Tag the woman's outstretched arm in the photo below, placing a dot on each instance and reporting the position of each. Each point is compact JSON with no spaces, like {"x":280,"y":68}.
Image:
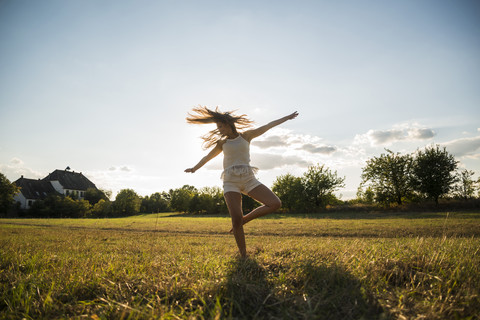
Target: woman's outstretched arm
{"x":212,"y":154}
{"x":250,"y":134}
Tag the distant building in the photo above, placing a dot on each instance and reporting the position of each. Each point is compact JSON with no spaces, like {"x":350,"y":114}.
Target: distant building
{"x":62,"y":182}
{"x":32,"y":190}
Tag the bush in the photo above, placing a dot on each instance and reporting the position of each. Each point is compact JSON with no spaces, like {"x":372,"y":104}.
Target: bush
{"x":127,"y":203}
{"x":57,"y":206}
{"x":102,"y":209}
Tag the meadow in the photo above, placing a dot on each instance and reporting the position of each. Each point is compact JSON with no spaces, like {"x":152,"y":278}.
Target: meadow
{"x":172,"y":266}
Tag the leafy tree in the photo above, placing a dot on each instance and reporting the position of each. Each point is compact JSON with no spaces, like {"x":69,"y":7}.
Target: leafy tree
{"x":102,"y":209}
{"x":57,"y":206}
{"x":200,"y":202}
{"x":366,"y":196}
{"x":319,"y":184}
{"x":389,"y":177}
{"x":7,"y":191}
{"x":94,"y":195}
{"x":434,"y":172}
{"x":180,"y":198}
{"x":290,"y":191}
{"x":216,"y":201}
{"x":478,"y":187}
{"x":157,"y":202}
{"x":208,"y":200}
{"x":127,"y":202}
{"x":466,"y":186}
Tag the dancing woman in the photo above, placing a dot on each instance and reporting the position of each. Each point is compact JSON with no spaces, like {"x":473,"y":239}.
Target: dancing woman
{"x":238,"y":176}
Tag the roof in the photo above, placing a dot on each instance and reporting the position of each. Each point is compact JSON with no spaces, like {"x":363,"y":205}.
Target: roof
{"x":70,"y":180}
{"x":34,"y":189}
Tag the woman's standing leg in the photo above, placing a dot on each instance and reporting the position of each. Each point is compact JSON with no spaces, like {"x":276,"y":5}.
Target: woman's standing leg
{"x":234,"y":204}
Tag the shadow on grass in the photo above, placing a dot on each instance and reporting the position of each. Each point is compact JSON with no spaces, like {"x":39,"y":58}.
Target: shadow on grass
{"x":297,"y":291}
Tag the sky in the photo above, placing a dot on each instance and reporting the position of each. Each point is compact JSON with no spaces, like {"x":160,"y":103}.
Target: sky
{"x":104,"y":86}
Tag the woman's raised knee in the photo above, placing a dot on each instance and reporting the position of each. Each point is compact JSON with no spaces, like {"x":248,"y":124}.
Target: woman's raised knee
{"x":275,"y":204}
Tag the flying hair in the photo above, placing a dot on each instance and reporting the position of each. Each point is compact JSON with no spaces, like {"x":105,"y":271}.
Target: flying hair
{"x":203,"y":115}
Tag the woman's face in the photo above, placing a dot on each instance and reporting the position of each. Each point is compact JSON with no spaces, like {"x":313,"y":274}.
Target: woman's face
{"x":224,"y":128}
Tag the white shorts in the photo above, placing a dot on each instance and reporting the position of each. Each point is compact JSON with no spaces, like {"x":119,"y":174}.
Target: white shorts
{"x":240,"y":183}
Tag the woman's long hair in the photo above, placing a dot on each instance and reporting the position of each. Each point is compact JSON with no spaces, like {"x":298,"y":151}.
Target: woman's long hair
{"x":201,"y":115}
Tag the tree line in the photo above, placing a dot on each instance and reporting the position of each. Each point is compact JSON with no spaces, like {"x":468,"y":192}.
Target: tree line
{"x":389,"y":179}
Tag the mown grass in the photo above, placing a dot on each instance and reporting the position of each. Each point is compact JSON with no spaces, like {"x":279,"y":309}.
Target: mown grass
{"x":397,"y":266}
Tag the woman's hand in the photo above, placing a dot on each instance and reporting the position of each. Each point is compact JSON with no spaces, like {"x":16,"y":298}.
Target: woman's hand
{"x":292,"y":116}
{"x":190,"y":170}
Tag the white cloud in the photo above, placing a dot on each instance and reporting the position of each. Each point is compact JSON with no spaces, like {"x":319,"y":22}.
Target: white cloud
{"x":402,"y":132}
{"x":420,"y":133}
{"x":463,"y":146}
{"x":473,"y":156}
{"x":285,"y":138}
{"x":271,"y":141}
{"x":122,"y":168}
{"x":267,"y":161}
{"x":16,"y":162}
{"x":17,"y":168}
{"x":317,"y":149}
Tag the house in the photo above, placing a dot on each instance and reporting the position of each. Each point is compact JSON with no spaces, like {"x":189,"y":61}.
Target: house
{"x":70,"y":183}
{"x":63,"y":182}
{"x":32,"y":190}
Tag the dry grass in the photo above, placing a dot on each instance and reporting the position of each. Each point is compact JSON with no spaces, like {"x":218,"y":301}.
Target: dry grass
{"x":372,"y":267}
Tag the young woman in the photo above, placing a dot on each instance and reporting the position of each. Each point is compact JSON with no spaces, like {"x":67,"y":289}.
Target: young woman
{"x":238,"y":176}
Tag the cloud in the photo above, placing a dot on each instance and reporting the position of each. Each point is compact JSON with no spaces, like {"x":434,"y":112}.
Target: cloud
{"x":285,"y":138}
{"x":463,"y":146}
{"x":473,"y":156}
{"x":403,"y":132}
{"x":17,"y":168}
{"x":16,"y":162}
{"x":420,"y":134}
{"x":317,"y":149}
{"x":267,"y":161}
{"x":271,"y":141}
{"x":123,"y":168}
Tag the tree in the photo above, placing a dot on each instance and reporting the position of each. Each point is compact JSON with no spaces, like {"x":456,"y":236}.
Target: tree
{"x":290,"y":191}
{"x":216,"y":201}
{"x":465,"y":187}
{"x":389,"y":177}
{"x":94,"y":195}
{"x":319,"y":184}
{"x":102,"y":208}
{"x":478,"y":187}
{"x":366,"y":196}
{"x":180,"y":198}
{"x":127,"y":202}
{"x":434,"y":172}
{"x":157,"y":202}
{"x":7,"y":191}
{"x":58,"y":206}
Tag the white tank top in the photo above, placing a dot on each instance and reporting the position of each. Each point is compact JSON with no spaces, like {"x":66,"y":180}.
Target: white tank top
{"x":236,"y":157}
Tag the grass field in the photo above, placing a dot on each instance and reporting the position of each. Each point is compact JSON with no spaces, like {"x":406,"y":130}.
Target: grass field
{"x":342,"y":266}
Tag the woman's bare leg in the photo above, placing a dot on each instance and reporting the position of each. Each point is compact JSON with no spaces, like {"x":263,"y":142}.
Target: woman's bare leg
{"x":269,"y":199}
{"x":234,"y":204}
